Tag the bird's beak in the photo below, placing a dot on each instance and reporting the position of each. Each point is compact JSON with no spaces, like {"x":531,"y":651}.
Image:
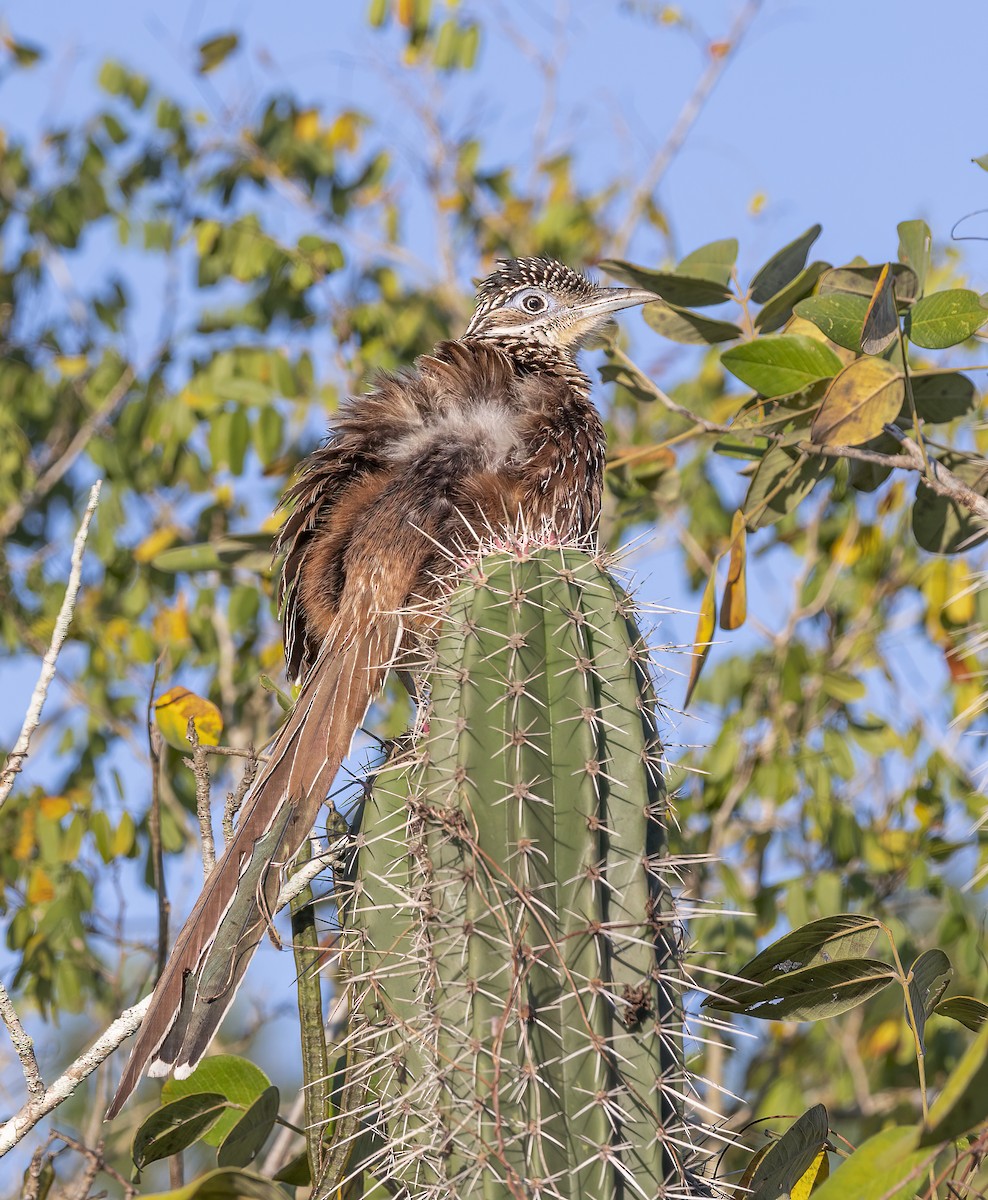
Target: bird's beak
{"x":612,"y":299}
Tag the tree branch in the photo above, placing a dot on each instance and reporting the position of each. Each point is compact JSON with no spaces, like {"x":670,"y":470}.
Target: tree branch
{"x":22,"y":1043}
{"x":32,"y":719}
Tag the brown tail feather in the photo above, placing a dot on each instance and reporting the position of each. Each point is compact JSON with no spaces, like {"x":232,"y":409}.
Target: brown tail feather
{"x":223,"y":930}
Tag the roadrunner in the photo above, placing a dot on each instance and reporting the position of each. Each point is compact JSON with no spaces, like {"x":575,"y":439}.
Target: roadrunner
{"x":489,"y":433}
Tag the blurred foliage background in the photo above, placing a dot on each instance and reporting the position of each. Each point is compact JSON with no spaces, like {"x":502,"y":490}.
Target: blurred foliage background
{"x":186,"y":290}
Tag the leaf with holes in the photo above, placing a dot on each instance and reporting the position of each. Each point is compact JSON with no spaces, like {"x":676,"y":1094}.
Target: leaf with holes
{"x":828,"y":939}
{"x":779,"y":366}
{"x":839,"y":315}
{"x":864,"y":397}
{"x":945,"y":318}
{"x":807,"y":994}
{"x":783,"y":267}
{"x":929,"y":976}
{"x":968,"y":1010}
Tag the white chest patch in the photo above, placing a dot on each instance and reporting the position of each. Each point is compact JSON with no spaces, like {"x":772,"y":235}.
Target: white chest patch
{"x":487,"y":429}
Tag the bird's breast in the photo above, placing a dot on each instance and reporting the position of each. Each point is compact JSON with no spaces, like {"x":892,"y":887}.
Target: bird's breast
{"x":483,"y":437}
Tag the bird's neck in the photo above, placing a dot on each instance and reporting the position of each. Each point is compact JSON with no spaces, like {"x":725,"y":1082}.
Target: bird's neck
{"x":532,"y":358}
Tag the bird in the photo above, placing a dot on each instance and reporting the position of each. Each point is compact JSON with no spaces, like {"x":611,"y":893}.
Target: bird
{"x":493,"y":431}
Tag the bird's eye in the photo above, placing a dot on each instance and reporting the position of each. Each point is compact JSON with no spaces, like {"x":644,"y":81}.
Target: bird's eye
{"x":534,"y":303}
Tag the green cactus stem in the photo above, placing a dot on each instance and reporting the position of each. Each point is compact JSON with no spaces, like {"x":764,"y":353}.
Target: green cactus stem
{"x":516,"y":1027}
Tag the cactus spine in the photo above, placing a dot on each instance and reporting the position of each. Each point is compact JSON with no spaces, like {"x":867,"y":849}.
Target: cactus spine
{"x":515,"y":1028}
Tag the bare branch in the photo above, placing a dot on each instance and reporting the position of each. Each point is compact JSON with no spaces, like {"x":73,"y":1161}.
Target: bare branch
{"x":200,"y":769}
{"x":938,"y":478}
{"x":23,"y":1044}
{"x":15,"y":760}
{"x":235,"y":799}
{"x":716,"y":64}
{"x":23,"y":1122}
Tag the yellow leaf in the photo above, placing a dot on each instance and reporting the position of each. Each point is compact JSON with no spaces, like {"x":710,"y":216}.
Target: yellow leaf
{"x":756,"y":204}
{"x":307,"y":125}
{"x":170,"y":626}
{"x":175,"y":708}
{"x":883,"y":1039}
{"x":734,"y":605}
{"x":154,"y":543}
{"x":812,"y":1177}
{"x":55,"y":807}
{"x":863,"y":398}
{"x":40,"y":888}
{"x":70,"y":366}
{"x":23,"y":848}
{"x":704,"y":631}
{"x":344,"y":133}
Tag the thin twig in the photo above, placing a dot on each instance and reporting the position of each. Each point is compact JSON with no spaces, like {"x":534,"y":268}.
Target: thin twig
{"x":155,"y":747}
{"x":235,"y":799}
{"x":200,"y":768}
{"x":940,"y":479}
{"x":32,"y":719}
{"x":705,"y":85}
{"x":22,"y":1043}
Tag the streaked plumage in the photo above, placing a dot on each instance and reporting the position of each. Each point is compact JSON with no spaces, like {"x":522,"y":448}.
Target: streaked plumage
{"x":493,"y":432}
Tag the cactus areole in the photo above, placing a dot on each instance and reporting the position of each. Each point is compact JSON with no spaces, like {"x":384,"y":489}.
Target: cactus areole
{"x":515,"y":1022}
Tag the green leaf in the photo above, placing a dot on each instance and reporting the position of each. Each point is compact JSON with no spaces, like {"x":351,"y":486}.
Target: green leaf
{"x":807,"y":993}
{"x":215,"y":51}
{"x":967,"y":1009}
{"x":24,"y":54}
{"x":860,"y":281}
{"x":690,"y":328}
{"x":888,"y":1166}
{"x":177,"y":1125}
{"x":778,"y":309}
{"x":783,"y":267}
{"x":860,"y":402}
{"x":963,"y":1102}
{"x":778,"y":366}
{"x":942,"y":396}
{"x":714,"y":261}
{"x":296,"y":1172}
{"x":790,"y":1157}
{"x":224,"y":1184}
{"x":941,"y":525}
{"x":244,"y":1141}
{"x":929,"y":976}
{"x":234,"y":1078}
{"x":945,"y":319}
{"x":672,"y":287}
{"x":783,"y":479}
{"x":839,"y":315}
{"x":915,"y":242}
{"x":844,"y":937}
{"x":249,"y":551}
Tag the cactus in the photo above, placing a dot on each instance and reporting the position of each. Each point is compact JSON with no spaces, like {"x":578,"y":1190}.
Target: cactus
{"x":515,"y":1025}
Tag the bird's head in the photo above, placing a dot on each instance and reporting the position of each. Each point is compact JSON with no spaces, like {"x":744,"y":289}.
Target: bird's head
{"x":538,"y":302}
